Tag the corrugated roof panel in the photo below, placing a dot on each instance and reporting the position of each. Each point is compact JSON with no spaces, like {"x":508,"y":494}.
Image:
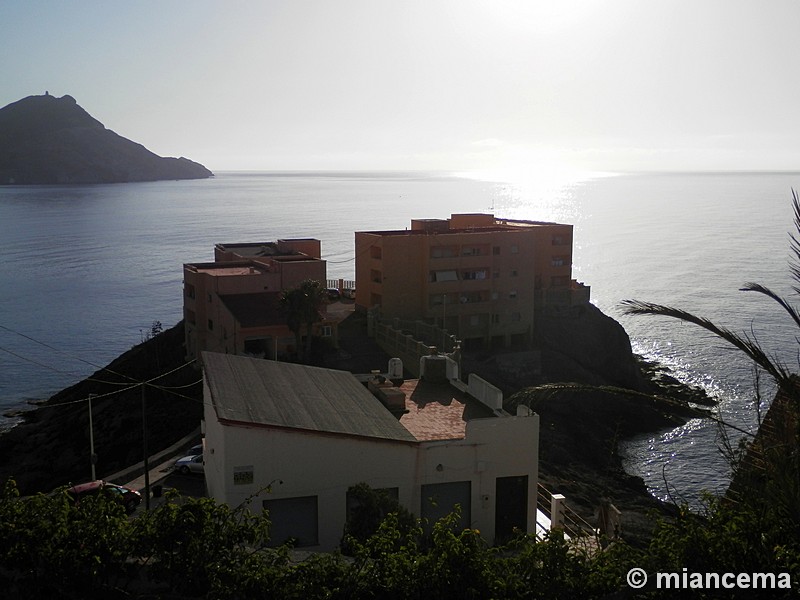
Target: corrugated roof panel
{"x":296,"y":396}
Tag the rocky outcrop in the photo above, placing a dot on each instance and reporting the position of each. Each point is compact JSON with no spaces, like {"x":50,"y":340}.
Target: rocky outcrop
{"x":580,"y":354}
{"x":49,"y":140}
{"x":51,"y":446}
{"x":586,"y":345}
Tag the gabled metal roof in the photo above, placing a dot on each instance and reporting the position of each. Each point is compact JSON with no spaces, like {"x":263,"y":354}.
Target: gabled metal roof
{"x":264,"y":392}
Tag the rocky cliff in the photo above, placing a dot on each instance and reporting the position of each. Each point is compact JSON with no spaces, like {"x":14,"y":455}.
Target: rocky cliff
{"x":49,"y":140}
{"x":51,"y":446}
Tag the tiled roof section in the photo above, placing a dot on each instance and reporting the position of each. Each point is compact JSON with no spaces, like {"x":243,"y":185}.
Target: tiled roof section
{"x":438,"y":411}
{"x":265,"y":392}
{"x":255,"y":310}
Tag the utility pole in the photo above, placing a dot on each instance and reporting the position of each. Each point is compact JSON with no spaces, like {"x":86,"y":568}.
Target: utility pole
{"x":144,"y":447}
{"x":444,"y":323}
{"x":92,"y":455}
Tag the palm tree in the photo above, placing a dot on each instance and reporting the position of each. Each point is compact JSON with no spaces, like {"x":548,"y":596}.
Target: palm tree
{"x":770,"y":467}
{"x":303,"y":305}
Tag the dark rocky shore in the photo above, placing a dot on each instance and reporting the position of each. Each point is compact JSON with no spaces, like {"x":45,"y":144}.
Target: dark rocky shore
{"x":581,"y":430}
{"x":51,"y":446}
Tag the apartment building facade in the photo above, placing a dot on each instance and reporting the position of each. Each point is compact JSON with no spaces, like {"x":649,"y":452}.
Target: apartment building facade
{"x":232,"y":305}
{"x":476,"y":275}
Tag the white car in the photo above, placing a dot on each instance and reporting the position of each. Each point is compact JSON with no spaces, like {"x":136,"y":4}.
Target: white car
{"x":190,"y":464}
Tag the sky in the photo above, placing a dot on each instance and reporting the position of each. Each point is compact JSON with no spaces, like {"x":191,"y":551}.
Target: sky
{"x":451,"y":85}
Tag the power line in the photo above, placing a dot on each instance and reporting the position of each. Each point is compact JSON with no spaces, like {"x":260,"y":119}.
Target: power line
{"x":134,"y":382}
{"x":63,"y":353}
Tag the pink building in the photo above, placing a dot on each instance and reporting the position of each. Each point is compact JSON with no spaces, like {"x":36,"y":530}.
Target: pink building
{"x":232,"y":305}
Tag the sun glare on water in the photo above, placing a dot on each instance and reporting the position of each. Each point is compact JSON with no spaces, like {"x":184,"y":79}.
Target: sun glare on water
{"x":538,"y":191}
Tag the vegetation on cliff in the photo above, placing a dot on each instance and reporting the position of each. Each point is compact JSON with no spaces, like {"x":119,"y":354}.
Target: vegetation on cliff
{"x":49,"y":140}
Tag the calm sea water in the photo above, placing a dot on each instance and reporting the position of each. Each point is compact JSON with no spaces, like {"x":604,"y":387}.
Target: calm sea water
{"x":85,"y":270}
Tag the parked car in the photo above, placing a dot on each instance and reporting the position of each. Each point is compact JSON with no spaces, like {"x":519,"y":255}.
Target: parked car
{"x":333,"y":294}
{"x":349,"y":293}
{"x":190,"y":464}
{"x":195,"y":450}
{"x":127,"y":497}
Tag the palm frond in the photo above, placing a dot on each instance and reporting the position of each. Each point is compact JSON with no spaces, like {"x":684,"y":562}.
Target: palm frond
{"x":749,"y":346}
{"x":794,"y":242}
{"x":549,"y":391}
{"x":757,"y":287}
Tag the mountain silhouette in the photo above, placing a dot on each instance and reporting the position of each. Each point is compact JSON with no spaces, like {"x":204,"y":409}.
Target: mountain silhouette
{"x":49,"y":140}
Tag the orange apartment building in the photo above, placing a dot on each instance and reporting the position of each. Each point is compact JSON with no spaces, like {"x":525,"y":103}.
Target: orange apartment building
{"x":232,"y":305}
{"x":475,"y":275}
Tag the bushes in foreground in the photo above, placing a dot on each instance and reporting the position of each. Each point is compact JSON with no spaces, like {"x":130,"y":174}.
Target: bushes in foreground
{"x":196,"y":548}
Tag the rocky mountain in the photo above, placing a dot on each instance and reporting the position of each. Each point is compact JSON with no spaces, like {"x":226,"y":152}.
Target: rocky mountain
{"x":49,"y":140}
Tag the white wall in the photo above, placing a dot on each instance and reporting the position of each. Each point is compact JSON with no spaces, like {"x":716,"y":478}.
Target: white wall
{"x":324,"y":465}
{"x":307,"y":464}
{"x":493,"y":447}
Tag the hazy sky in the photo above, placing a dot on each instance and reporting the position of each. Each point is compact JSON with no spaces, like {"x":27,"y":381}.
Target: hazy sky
{"x":453,"y":85}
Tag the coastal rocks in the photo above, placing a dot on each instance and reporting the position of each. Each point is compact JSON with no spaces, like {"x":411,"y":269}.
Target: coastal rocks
{"x":49,"y":140}
{"x":584,"y":344}
{"x":51,"y":446}
{"x":574,"y":380}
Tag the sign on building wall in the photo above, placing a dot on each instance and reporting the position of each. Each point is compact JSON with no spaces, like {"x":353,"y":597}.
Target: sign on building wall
{"x":243,"y":475}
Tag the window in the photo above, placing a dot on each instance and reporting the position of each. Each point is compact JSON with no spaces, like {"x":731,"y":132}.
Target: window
{"x":558,"y":261}
{"x":514,"y":249}
{"x":210,"y":325}
{"x":512,"y":294}
{"x":437,"y":299}
{"x":209,"y":297}
{"x":472,"y":275}
{"x":293,"y":519}
{"x":514,"y":273}
{"x":375,"y":252}
{"x":475,"y":320}
{"x":438,"y":276}
{"x":470,"y":251}
{"x":515,"y":316}
{"x":470,"y":297}
{"x":190,"y":291}
{"x":376,"y":276}
{"x":496,"y":274}
{"x":258,"y":346}
{"x":495,"y":295}
{"x":191,"y":317}
{"x":443,"y":252}
{"x":327,"y":331}
{"x":495,"y":318}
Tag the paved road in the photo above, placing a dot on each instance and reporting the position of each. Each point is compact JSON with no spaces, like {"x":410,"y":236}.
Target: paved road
{"x":191,"y":485}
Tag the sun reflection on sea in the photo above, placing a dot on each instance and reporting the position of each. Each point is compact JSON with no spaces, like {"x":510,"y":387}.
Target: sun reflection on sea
{"x":541,"y":192}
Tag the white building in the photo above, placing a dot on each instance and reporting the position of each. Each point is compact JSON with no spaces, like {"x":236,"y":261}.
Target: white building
{"x":309,"y":434}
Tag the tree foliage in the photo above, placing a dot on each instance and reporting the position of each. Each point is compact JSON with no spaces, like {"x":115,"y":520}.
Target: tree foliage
{"x":196,"y":548}
{"x":302,"y":305}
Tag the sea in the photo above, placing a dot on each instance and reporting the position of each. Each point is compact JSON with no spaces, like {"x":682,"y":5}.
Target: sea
{"x":86,"y":270}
